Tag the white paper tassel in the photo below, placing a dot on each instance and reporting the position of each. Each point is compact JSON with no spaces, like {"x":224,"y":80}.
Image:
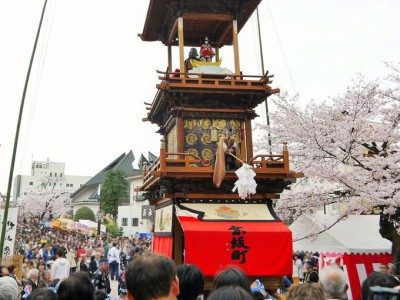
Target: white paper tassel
{"x":246,"y":185}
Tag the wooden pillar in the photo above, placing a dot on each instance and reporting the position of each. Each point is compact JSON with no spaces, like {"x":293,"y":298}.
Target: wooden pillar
{"x":163,"y":155}
{"x":181,"y":46}
{"x":249,"y":139}
{"x":169,"y":58}
{"x":179,"y":133}
{"x":243,"y":148}
{"x":216,"y":53}
{"x":236,"y":47}
{"x":286,"y":158}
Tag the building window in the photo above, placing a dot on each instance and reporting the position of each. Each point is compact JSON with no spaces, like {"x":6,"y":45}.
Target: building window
{"x":51,"y":174}
{"x":60,"y":184}
{"x":30,"y":182}
{"x":135,"y":222}
{"x":124,"y":221}
{"x":67,"y":185}
{"x":71,"y":185}
{"x":55,"y":174}
{"x":60,"y":174}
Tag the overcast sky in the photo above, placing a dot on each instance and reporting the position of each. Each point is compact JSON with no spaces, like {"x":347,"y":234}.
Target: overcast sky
{"x":92,"y":73}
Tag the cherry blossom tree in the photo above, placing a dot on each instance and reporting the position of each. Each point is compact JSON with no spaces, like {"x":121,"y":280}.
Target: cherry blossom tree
{"x":348,"y":148}
{"x":45,"y":204}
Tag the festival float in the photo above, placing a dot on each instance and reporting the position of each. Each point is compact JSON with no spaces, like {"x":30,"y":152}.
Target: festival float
{"x":213,"y":197}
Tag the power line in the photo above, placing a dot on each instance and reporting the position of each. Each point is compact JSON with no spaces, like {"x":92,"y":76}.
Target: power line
{"x":281,"y":48}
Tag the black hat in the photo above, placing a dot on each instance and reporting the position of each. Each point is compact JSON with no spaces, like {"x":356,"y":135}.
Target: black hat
{"x":310,"y":263}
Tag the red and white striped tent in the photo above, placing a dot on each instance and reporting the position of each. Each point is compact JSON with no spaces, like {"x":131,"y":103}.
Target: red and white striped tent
{"x":354,"y":243}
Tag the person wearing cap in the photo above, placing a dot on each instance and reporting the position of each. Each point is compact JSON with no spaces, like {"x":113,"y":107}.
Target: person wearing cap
{"x":311,"y":275}
{"x":193,"y":55}
{"x":100,"y":278}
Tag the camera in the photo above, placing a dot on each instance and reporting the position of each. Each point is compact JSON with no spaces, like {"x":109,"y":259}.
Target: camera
{"x":383,"y":293}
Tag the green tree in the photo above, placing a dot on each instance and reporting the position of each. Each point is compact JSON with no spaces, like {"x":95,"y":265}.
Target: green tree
{"x":114,"y":230}
{"x":115,"y":188}
{"x":84,"y":213}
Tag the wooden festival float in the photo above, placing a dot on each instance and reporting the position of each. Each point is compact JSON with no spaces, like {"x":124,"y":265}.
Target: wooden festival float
{"x":199,"y":112}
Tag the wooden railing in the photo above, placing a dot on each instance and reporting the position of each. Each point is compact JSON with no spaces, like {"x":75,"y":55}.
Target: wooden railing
{"x":188,"y":164}
{"x":215,"y":81}
{"x":270,"y":161}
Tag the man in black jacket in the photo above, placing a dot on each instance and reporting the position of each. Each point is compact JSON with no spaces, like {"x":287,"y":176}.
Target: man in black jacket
{"x":311,"y":275}
{"x":100,"y":278}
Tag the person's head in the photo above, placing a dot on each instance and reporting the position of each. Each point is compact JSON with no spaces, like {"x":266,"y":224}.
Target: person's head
{"x":230,"y":292}
{"x":333,"y":281}
{"x":4,"y":271}
{"x":232,"y":276}
{"x":8,"y":288}
{"x":305,"y":291}
{"x":377,"y":279}
{"x":42,"y":294}
{"x":12,"y":269}
{"x":59,"y":253}
{"x":97,"y":256}
{"x":103,"y":265}
{"x":77,"y":286}
{"x":391,"y":269}
{"x":152,"y":276}
{"x":33,"y":274}
{"x":193,"y":53}
{"x":191,"y":282}
{"x":41,"y":265}
{"x":308,"y":265}
{"x":384,"y":268}
{"x":47,"y":276}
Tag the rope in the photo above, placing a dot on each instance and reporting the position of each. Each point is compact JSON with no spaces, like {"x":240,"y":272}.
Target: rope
{"x":234,"y":156}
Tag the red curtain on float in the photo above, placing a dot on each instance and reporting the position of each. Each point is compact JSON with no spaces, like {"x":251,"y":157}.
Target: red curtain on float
{"x":258,"y":248}
{"x":163,"y":245}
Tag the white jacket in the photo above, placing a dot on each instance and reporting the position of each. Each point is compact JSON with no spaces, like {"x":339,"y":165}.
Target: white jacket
{"x":60,"y":269}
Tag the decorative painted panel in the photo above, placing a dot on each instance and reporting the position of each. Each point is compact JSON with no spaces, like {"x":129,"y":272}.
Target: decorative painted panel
{"x":202,"y":135}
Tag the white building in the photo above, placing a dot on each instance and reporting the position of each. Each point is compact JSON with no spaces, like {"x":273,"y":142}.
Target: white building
{"x":129,"y":210}
{"x":87,"y":195}
{"x":46,"y":175}
{"x":130,"y":214}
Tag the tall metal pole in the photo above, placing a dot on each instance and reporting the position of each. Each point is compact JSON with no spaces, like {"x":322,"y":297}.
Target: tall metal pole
{"x":21,"y":109}
{"x":263,"y":72}
{"x":99,"y":213}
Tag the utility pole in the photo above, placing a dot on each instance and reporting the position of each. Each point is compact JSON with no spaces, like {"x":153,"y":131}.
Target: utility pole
{"x":263,"y":73}
{"x":99,"y":213}
{"x":21,"y":109}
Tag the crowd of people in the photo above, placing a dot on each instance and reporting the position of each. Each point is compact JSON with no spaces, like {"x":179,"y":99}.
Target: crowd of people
{"x":64,"y":266}
{"x":54,"y":258}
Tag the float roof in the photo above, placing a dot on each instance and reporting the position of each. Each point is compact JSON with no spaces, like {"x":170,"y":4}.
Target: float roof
{"x":206,"y":18}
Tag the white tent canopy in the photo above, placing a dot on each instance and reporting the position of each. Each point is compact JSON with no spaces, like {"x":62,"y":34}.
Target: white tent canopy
{"x":355,"y":234}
